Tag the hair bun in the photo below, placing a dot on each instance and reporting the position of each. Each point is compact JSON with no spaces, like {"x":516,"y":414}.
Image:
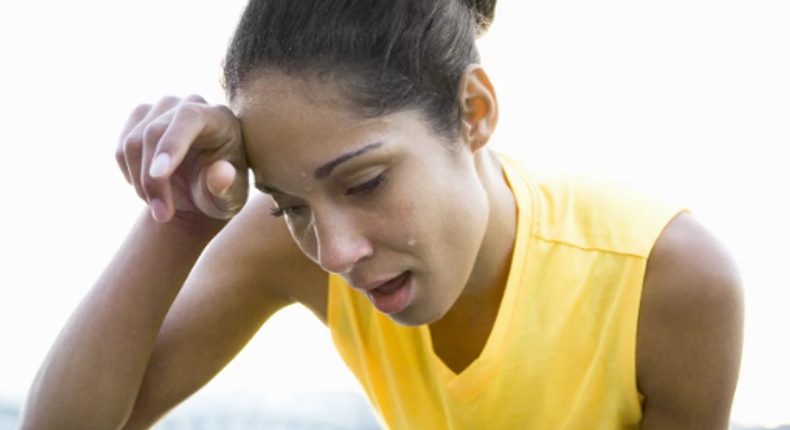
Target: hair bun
{"x":484,"y":13}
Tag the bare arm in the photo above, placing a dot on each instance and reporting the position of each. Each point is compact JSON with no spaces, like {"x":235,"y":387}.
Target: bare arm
{"x":242,"y":278}
{"x":690,"y":330}
{"x":111,"y":361}
{"x":102,"y":352}
{"x":248,"y":273}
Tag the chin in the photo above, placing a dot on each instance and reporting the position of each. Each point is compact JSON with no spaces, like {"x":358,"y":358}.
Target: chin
{"x":409,"y":321}
{"x":413,"y":316}
{"x":424,"y":308}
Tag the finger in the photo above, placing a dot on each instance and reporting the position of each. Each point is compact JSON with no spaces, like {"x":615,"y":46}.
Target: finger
{"x":226,"y":190}
{"x":133,"y":154}
{"x":195,"y":99}
{"x":158,"y":192}
{"x":155,"y":170}
{"x":162,"y":205}
{"x":186,"y":126}
{"x":120,"y":158}
{"x":133,"y":141}
{"x":195,"y":125}
{"x":137,"y":115}
{"x":219,"y":178}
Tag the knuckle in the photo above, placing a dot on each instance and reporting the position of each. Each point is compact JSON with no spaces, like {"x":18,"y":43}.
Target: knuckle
{"x":153,"y":130}
{"x":132,"y":143}
{"x":190,"y":109}
{"x":169,"y":101}
{"x":148,"y":185}
{"x":195,"y":98}
{"x":140,"y":193}
{"x":120,"y":157}
{"x":141,"y":110}
{"x":222,"y":109}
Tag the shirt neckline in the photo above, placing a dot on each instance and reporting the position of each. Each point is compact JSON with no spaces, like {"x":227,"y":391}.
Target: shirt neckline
{"x":472,"y":379}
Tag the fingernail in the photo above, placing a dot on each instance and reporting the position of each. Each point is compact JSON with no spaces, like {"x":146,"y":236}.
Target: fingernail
{"x":223,"y":193}
{"x":160,"y":165}
{"x":158,"y":209}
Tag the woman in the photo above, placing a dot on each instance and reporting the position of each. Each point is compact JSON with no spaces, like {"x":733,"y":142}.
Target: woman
{"x":462,"y":290}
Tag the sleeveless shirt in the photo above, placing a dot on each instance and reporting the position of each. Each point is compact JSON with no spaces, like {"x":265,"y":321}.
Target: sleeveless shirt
{"x":562,"y":351}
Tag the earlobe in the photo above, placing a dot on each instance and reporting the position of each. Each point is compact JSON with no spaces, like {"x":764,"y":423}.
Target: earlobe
{"x":479,"y":106}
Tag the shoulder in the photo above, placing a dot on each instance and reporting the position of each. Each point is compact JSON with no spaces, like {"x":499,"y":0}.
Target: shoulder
{"x":690,"y":329}
{"x":595,"y":212}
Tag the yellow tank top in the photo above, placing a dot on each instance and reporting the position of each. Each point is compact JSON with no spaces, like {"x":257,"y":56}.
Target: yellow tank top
{"x":561,"y":354}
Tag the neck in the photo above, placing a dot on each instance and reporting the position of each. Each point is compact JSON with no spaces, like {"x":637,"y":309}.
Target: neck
{"x":486,"y":285}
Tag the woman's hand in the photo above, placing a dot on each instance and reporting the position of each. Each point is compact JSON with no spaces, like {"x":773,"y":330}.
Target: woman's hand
{"x":185,"y":157}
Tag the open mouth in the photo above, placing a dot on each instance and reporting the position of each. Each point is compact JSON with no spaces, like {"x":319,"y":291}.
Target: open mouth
{"x":394,"y":295}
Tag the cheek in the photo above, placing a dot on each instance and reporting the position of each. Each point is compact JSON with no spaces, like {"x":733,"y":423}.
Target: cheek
{"x":414,"y":219}
{"x":461,"y":217}
{"x":403,"y":223}
{"x":306,"y":240}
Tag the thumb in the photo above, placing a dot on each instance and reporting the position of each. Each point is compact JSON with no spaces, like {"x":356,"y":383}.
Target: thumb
{"x":220,"y":178}
{"x":227,"y":190}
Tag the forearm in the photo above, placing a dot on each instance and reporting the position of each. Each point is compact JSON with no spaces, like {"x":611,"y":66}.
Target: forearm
{"x":93,"y":372}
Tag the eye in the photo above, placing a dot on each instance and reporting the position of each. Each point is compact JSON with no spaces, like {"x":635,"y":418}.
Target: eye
{"x":278,"y":212}
{"x":367,"y":187}
{"x":359,"y":190}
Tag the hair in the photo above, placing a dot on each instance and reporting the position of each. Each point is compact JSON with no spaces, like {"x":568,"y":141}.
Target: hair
{"x":384,"y":55}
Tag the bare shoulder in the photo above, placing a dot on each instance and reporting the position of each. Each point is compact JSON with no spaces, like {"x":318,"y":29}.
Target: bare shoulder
{"x":263,"y":248}
{"x":690,"y":331}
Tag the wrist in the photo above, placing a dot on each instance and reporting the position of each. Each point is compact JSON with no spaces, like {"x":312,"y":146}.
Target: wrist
{"x":186,"y":226}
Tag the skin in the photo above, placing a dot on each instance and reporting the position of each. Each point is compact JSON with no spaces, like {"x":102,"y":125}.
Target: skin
{"x":691,"y":319}
{"x":397,"y":204}
{"x":690,"y":332}
{"x":691,"y":316}
{"x":182,"y":325}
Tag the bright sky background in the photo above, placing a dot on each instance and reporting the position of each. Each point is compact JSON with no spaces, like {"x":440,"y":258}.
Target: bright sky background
{"x":686,"y":99}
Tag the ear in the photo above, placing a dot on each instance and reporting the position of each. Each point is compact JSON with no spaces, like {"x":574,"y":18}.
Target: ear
{"x":480,"y":110}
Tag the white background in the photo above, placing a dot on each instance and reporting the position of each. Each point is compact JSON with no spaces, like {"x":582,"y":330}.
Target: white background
{"x":686,"y":99}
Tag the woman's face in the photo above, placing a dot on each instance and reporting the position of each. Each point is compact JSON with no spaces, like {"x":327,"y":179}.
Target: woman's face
{"x":381,"y":201}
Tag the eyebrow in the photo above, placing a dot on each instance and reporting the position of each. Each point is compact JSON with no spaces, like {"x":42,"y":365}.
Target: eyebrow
{"x":325,"y":170}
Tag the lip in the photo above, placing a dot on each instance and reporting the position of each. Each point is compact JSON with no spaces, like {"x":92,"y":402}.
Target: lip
{"x":394,"y":295}
{"x":374,"y":285}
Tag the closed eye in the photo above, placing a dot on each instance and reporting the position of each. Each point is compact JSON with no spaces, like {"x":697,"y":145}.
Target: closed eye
{"x":367,"y":187}
{"x":360,"y":190}
{"x":278,"y":212}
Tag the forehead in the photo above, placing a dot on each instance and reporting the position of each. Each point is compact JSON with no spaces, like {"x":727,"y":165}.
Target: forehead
{"x":297,"y":123}
{"x":278,"y":101}
{"x":275,"y":107}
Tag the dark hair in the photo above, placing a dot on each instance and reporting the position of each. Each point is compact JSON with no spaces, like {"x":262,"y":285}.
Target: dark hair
{"x":385,"y":55}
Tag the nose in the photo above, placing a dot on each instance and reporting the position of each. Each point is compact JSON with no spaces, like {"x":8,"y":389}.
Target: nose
{"x":340,"y":242}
